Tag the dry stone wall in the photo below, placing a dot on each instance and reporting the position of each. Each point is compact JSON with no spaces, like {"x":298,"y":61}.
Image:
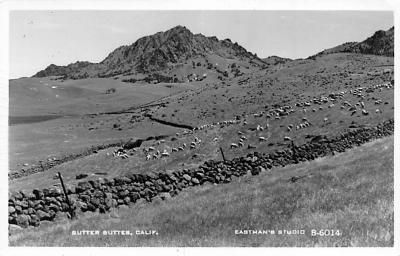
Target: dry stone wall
{"x":29,"y":209}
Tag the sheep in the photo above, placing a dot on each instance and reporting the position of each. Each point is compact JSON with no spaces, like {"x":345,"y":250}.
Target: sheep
{"x":262,"y":138}
{"x":260,"y":128}
{"x":215,"y":139}
{"x":287,"y":138}
{"x":313,"y":110}
{"x":148,"y":157}
{"x":164,"y":154}
{"x":184,"y":145}
{"x":378,"y":110}
{"x":320,"y":108}
{"x":240,"y":144}
{"x":234,"y":145}
{"x":151,"y":148}
{"x":155,"y":156}
{"x":364,"y":112}
{"x":325,"y":119}
{"x":180,"y":148}
{"x":174,"y":149}
{"x":243,"y":137}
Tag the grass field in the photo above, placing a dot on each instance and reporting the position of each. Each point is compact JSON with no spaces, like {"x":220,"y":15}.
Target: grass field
{"x":351,"y":192}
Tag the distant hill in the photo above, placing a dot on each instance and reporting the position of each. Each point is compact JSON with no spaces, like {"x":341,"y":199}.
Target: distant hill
{"x":380,"y":43}
{"x":162,"y":51}
{"x":273,"y":60}
{"x":54,"y":70}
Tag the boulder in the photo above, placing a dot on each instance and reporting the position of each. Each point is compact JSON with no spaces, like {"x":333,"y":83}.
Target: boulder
{"x":108,"y":203}
{"x":81,"y":176}
{"x":165,"y":196}
{"x":34,"y":221}
{"x":127,"y":200}
{"x":84,"y":198}
{"x":18,"y":209}
{"x":91,"y":207}
{"x":83,"y":186}
{"x":122,"y":180}
{"x":95,"y":202}
{"x":187,"y":177}
{"x":123,"y":193}
{"x":95,"y":183}
{"x":16,"y":196}
{"x":42,"y":215}
{"x":23,"y":204}
{"x":22,"y":220}
{"x":38,"y":193}
{"x":82,"y":206}
{"x":148,"y":184}
{"x":134,"y":196}
{"x":13,"y":227}
{"x":11,"y":209}
{"x":195,"y":181}
{"x":31,"y":211}
{"x":54,"y":192}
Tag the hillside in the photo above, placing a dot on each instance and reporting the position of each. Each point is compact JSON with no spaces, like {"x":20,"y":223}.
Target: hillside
{"x":177,"y":48}
{"x":380,"y":43}
{"x":350,"y":192}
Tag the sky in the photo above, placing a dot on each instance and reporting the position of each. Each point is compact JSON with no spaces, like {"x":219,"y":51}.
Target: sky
{"x":40,"y":38}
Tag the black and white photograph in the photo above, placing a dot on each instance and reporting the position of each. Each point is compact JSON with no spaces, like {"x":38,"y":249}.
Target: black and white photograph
{"x":200,"y":128}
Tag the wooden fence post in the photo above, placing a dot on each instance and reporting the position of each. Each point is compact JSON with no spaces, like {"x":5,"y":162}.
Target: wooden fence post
{"x":222,"y":153}
{"x":71,"y":211}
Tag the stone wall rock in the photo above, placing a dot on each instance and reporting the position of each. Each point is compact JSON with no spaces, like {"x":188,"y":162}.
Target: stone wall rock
{"x":104,"y":194}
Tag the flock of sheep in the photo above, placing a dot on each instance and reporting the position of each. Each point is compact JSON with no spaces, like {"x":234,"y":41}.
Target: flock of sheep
{"x":263,"y":131}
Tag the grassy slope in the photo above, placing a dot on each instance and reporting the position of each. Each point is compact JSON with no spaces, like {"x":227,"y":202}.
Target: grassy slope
{"x":36,"y":96}
{"x":38,"y":141}
{"x":352,"y":192}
